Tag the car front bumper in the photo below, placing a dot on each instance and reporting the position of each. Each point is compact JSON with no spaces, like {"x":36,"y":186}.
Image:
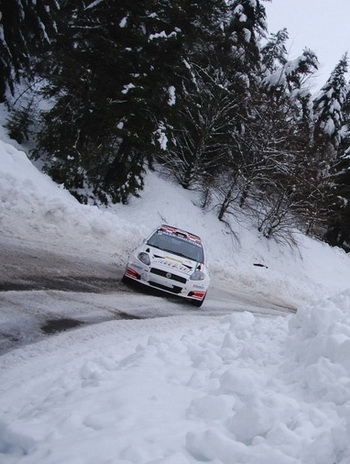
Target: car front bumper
{"x":166,"y":280}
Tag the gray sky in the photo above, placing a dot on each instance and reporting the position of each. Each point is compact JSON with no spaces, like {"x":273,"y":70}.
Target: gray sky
{"x":322,"y":25}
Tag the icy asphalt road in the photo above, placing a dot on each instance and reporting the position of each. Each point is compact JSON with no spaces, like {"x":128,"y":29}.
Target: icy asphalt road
{"x":44,"y":291}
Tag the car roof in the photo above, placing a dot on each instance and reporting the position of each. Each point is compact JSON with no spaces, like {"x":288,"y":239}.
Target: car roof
{"x":180,"y":232}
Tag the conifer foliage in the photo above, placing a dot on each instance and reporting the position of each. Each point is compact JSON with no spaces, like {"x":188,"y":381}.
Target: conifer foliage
{"x":328,"y":107}
{"x":333,"y":126}
{"x":25,"y":27}
{"x":119,"y":72}
{"x":196,"y":88}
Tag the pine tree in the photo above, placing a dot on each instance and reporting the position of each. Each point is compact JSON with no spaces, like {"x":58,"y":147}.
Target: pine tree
{"x":246,"y":27}
{"x":107,"y":92}
{"x":338,"y":214}
{"x":274,"y":52}
{"x":338,"y":206}
{"x":329,"y":118}
{"x":25,"y":27}
{"x":282,"y":75}
{"x":330,"y":148}
{"x":119,"y":74}
{"x":240,"y":62}
{"x":214,"y":104}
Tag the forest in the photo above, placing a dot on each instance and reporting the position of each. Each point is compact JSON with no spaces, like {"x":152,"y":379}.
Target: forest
{"x":101,"y":91}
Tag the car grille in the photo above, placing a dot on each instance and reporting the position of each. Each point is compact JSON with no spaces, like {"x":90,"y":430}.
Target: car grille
{"x":159,"y":272}
{"x":173,"y":289}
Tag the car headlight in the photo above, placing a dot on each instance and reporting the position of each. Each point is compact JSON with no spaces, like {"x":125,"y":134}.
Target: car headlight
{"x":197,"y":275}
{"x":144,"y":258}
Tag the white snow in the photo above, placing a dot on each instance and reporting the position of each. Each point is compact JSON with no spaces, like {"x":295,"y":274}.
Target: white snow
{"x":163,"y":35}
{"x":123,"y":22}
{"x":160,"y":134}
{"x":93,"y":4}
{"x":172,"y":95}
{"x":328,"y":126}
{"x":127,"y":88}
{"x":280,"y":76}
{"x":184,"y":389}
{"x":247,"y":35}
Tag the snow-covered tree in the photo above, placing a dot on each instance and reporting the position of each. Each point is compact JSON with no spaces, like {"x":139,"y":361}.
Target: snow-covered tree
{"x":207,"y":116}
{"x":329,"y":118}
{"x":274,"y":52}
{"x":331,"y":135}
{"x":288,"y":76}
{"x":268,"y":170}
{"x":25,"y":27}
{"x":338,"y":212}
{"x":119,"y":72}
{"x":246,"y":26}
{"x":269,"y":173}
{"x":338,"y":194}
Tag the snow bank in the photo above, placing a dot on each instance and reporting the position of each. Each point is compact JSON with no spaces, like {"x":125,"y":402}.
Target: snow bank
{"x":36,"y":210}
{"x":246,"y":389}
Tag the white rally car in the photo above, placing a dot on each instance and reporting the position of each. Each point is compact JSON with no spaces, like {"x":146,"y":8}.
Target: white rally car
{"x":173,"y":261}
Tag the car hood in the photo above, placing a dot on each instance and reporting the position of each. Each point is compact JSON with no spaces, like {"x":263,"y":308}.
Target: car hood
{"x":170,"y":261}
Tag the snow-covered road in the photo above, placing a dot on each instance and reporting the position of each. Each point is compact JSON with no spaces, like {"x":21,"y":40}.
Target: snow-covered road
{"x":24,"y":266}
{"x":45,"y":291}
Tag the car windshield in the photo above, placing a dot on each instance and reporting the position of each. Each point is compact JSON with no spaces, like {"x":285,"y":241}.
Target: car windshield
{"x":177,"y":245}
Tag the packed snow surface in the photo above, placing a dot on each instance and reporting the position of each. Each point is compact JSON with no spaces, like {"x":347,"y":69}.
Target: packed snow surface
{"x":238,"y":389}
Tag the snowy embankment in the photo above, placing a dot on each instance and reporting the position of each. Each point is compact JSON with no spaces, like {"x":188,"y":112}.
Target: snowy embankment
{"x":238,"y":389}
{"x":35,"y":211}
{"x":242,"y":390}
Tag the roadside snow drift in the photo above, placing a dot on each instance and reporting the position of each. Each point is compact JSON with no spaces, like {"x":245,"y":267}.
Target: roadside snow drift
{"x":243,"y":389}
